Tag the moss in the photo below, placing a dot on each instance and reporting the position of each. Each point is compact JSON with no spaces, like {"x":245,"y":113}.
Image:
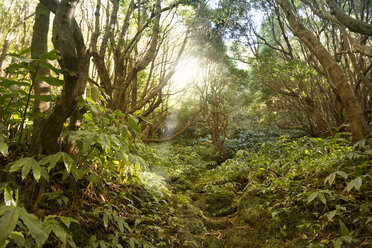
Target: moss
{"x":211,"y":241}
{"x":273,"y":243}
{"x":297,"y":243}
{"x":241,"y":237}
{"x":195,"y":225}
{"x":216,"y":204}
{"x":250,"y":199}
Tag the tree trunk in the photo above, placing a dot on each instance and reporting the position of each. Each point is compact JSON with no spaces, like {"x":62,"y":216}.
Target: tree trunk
{"x":354,"y":111}
{"x":69,"y":42}
{"x":39,"y":45}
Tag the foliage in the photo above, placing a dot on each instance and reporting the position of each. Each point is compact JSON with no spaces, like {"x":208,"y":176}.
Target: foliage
{"x":310,"y":188}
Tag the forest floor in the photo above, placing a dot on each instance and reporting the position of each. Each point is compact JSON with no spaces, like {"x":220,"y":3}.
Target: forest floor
{"x":210,"y":218}
{"x":211,"y":213}
{"x":284,"y":195}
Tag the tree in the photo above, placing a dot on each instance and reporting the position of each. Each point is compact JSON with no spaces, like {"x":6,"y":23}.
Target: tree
{"x":74,"y":61}
{"x":358,"y":124}
{"x":39,"y":46}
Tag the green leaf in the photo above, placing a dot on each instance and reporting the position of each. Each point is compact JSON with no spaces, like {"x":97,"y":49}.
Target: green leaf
{"x":67,"y":220}
{"x":18,"y":239}
{"x":344,"y":230}
{"x":51,"y":55}
{"x":342,"y":174}
{"x":26,"y":169}
{"x":356,"y":183}
{"x":10,"y":82}
{"x":8,"y":197}
{"x":52,"y":160}
{"x":68,"y":161}
{"x":45,"y":98}
{"x":338,"y":243}
{"x":322,"y":198}
{"x":25,"y":51}
{"x":50,"y":80}
{"x":20,"y":163}
{"x":102,"y":244}
{"x":330,"y":179}
{"x":50,"y":66}
{"x":133,"y":123}
{"x":105,"y":220}
{"x":369,"y":219}
{"x":60,"y":232}
{"x":7,"y":223}
{"x":4,"y":148}
{"x":36,"y":170}
{"x":44,"y":173}
{"x":312,"y":197}
{"x":331,"y":215}
{"x":34,"y":226}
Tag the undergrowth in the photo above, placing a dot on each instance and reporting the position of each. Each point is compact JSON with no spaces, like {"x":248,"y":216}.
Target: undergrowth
{"x":317,"y":191}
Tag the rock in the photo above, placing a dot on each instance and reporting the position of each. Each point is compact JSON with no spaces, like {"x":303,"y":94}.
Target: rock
{"x":241,"y":237}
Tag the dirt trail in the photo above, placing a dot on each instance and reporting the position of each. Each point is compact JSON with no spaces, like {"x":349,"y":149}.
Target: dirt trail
{"x":211,"y":219}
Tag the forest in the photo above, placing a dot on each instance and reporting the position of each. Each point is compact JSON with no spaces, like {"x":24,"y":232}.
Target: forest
{"x":186,"y":123}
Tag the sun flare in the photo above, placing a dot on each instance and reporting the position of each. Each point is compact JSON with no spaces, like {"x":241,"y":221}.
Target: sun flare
{"x":187,"y":72}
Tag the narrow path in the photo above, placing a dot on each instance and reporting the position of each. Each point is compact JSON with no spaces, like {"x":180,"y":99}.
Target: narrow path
{"x":211,"y":219}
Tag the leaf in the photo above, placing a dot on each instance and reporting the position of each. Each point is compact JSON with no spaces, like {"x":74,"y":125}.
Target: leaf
{"x":331,"y":215}
{"x":34,"y":226}
{"x":36,"y":170}
{"x":67,"y":160}
{"x":369,"y":219}
{"x":105,"y":220}
{"x":338,"y":243}
{"x":44,"y":173}
{"x":356,"y":183}
{"x":127,"y":226}
{"x":45,"y":98}
{"x":133,"y":123}
{"x":4,"y":148}
{"x":18,"y":238}
{"x":344,"y":230}
{"x":312,"y":197}
{"x":342,"y":174}
{"x":7,"y":223}
{"x":10,"y":82}
{"x":102,"y":244}
{"x":51,"y":55}
{"x":322,"y":198}
{"x":50,"y":66}
{"x":67,"y":220}
{"x":20,"y":163}
{"x":60,"y":232}
{"x":50,"y":80}
{"x":8,"y":197}
{"x":52,"y":160}
{"x":26,"y":169}
{"x":330,"y":179}
{"x":25,"y":51}
{"x":120,"y":221}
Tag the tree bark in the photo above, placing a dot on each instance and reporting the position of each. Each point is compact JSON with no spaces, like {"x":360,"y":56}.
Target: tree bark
{"x":354,"y":25}
{"x":39,"y":45}
{"x":68,"y":40}
{"x":354,"y":111}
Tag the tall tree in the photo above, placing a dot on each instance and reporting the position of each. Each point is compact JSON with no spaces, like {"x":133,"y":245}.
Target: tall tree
{"x":39,"y":45}
{"x":355,"y":113}
{"x":68,"y":40}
